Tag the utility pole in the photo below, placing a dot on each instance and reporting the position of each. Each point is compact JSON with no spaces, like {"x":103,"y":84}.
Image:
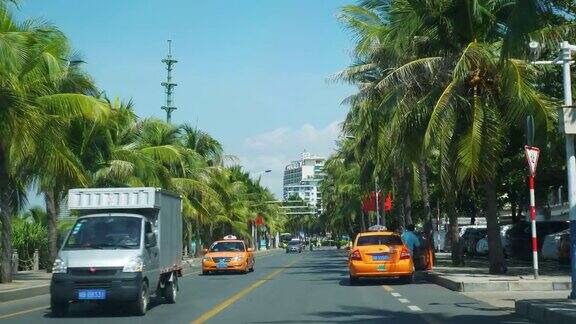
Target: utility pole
{"x":568,"y":125}
{"x":169,"y":85}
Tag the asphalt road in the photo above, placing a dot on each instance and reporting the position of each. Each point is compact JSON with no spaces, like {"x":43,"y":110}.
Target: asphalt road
{"x":311,"y":287}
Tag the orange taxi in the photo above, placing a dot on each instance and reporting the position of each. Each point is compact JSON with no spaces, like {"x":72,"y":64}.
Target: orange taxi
{"x":380,"y":253}
{"x":229,"y":254}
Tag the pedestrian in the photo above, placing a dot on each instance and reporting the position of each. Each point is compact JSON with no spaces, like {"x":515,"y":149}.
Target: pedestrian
{"x":410,"y":239}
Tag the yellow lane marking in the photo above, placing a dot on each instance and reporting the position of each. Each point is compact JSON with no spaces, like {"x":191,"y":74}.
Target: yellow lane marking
{"x":23,"y":312}
{"x":225,"y":304}
{"x":388,"y":288}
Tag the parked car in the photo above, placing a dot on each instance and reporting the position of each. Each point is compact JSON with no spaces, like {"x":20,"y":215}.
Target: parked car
{"x":551,"y":245}
{"x":482,"y":245}
{"x":520,"y":236}
{"x":470,"y":238}
{"x":564,"y":248}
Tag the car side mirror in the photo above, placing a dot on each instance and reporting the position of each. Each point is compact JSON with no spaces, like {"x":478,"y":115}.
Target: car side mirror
{"x":250,"y":250}
{"x":150,"y":240}
{"x":204,"y":251}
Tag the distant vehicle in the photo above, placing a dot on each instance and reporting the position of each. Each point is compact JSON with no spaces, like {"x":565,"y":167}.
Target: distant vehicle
{"x":125,"y":246}
{"x":294,"y":246}
{"x":551,"y":245}
{"x":228,"y":255}
{"x":380,"y":253}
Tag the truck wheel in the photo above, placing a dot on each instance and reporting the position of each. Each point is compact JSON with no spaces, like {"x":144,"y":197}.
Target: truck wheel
{"x":58,"y":308}
{"x":141,"y":305}
{"x":171,"y":290}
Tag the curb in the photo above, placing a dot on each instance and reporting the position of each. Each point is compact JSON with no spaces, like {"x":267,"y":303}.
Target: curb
{"x":498,"y":285}
{"x":21,"y":293}
{"x":557,"y":311}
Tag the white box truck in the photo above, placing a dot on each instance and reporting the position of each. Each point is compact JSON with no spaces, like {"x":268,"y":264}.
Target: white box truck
{"x":125,"y":246}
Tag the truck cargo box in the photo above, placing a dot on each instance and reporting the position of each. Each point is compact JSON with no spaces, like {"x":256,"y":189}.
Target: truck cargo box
{"x":162,"y":208}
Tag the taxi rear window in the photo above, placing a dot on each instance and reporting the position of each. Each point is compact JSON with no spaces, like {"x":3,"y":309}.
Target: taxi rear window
{"x":227,"y":247}
{"x":379,"y":240}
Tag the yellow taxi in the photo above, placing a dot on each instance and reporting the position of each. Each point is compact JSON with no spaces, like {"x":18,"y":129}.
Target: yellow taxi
{"x":380,"y":253}
{"x":229,"y":254}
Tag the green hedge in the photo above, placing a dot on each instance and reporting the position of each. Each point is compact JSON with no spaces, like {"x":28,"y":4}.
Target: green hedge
{"x":26,"y":237}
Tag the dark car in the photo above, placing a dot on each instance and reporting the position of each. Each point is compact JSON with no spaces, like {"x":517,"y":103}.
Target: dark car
{"x":294,"y":246}
{"x":470,"y":239}
{"x":520,"y":236}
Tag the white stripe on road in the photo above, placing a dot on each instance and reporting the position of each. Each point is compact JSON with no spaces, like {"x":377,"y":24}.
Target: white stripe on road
{"x":396,"y":294}
{"x":403,"y":300}
{"x":415,"y":308}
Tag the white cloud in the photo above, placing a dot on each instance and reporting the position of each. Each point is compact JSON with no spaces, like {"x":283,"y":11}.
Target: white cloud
{"x":276,"y":148}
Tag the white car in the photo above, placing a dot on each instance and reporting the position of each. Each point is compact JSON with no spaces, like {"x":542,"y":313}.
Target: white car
{"x":550,"y":246}
{"x":482,"y":245}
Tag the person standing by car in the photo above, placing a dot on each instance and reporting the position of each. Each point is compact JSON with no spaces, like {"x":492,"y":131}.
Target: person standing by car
{"x":410,"y":239}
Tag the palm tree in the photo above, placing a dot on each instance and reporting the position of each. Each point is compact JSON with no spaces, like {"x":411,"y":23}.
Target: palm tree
{"x":32,"y":70}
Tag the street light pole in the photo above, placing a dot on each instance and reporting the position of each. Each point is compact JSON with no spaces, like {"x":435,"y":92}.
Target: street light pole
{"x":566,"y":51}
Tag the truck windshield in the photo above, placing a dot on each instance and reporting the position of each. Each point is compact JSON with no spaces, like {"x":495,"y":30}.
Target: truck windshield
{"x":118,"y":232}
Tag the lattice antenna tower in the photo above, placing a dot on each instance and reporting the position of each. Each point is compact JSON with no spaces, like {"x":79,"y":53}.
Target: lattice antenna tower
{"x":169,"y":85}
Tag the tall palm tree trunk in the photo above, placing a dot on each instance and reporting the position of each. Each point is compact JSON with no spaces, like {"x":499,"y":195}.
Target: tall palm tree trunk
{"x":362,"y":221}
{"x":426,"y":201}
{"x":495,"y":252}
{"x":6,"y":209}
{"x":52,"y":209}
{"x":457,"y":257}
{"x":198,"y":251}
{"x":407,"y":199}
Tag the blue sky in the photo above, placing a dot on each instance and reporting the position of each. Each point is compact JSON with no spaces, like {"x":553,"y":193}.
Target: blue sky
{"x":252,"y":72}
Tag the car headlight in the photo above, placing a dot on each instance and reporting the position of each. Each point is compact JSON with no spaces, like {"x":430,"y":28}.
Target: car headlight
{"x":206,"y":258}
{"x":59,"y":266}
{"x":237,"y":258}
{"x":134,"y":265}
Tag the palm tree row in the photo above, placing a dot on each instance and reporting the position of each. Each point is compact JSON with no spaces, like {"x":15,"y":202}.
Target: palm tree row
{"x":444,"y":87}
{"x":57,"y":132}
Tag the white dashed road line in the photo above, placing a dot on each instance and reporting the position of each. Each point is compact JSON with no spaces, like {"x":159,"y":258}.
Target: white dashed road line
{"x":415,"y":308}
{"x":403,"y":300}
{"x":396,"y":294}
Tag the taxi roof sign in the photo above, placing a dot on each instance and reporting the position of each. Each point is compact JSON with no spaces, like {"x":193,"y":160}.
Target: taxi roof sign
{"x":230,"y":237}
{"x":377,"y":228}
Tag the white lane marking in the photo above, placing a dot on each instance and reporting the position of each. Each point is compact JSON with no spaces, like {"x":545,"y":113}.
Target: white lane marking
{"x":415,"y":308}
{"x":396,"y":294}
{"x":403,"y":300}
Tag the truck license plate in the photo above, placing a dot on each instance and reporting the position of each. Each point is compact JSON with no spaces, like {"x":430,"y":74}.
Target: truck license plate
{"x":86,"y":294}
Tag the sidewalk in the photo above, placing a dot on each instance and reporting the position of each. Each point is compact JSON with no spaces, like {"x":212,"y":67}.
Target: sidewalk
{"x":557,"y":311}
{"x":474,"y":276}
{"x":27,"y":284}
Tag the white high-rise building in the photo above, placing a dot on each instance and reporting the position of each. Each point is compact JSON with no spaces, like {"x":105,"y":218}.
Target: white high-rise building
{"x":303,"y":178}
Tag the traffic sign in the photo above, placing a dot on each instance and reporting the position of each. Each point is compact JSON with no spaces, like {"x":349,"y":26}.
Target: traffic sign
{"x":532,"y":154}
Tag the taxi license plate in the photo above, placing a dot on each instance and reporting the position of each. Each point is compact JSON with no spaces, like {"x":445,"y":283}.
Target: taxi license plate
{"x":89,"y":294}
{"x":222,"y":265}
{"x":380,"y":257}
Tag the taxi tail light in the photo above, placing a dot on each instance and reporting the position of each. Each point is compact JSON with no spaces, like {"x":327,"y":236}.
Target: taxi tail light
{"x":355,"y":255}
{"x":404,"y":253}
